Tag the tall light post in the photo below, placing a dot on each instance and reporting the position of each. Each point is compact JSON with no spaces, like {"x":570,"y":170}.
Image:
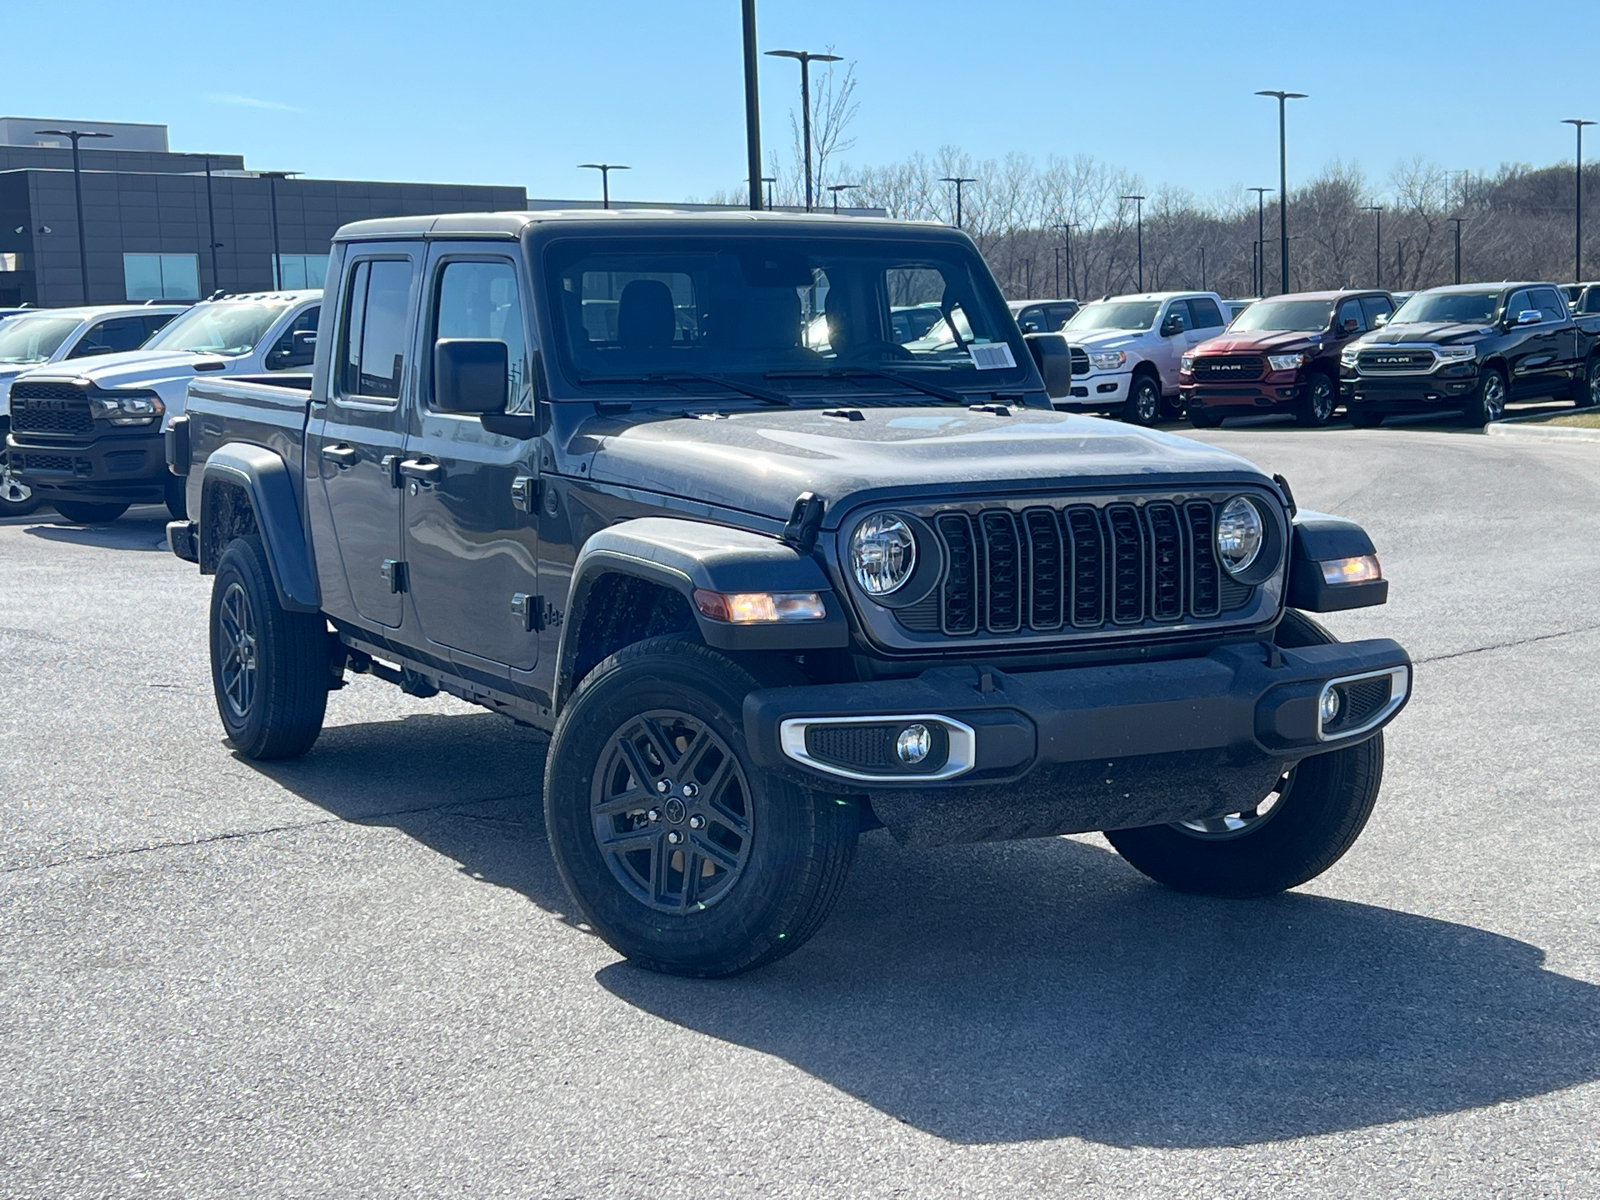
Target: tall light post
{"x":1260,"y":264}
{"x":958,"y":180}
{"x":805,"y":58}
{"x":78,"y":135}
{"x":836,"y":188}
{"x":752,"y":103}
{"x":1457,"y":221}
{"x":1066,"y":228}
{"x":272,"y":178}
{"x":769,"y":180}
{"x":1283,"y":184}
{"x":1377,"y":246}
{"x":211,"y":221}
{"x":1138,"y":212}
{"x":1203,"y":268}
{"x":605,"y":170}
{"x":1577,"y":258}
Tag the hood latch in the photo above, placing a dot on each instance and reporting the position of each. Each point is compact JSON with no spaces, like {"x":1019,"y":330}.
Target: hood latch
{"x":805,"y":522}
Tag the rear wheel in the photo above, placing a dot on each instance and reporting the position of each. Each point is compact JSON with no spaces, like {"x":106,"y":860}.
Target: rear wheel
{"x":82,"y":512}
{"x":1588,"y":393}
{"x":269,"y":667}
{"x":1305,"y":824}
{"x":679,"y":851}
{"x":1315,"y":407}
{"x":1143,"y":406}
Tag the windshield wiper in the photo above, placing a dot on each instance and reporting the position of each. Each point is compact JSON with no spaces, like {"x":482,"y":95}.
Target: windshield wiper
{"x":856,"y":373}
{"x":765,"y":395}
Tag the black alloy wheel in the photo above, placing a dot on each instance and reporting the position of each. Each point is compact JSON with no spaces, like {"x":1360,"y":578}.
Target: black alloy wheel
{"x":1489,"y":402}
{"x":1588,"y":395}
{"x":1143,"y":406}
{"x":1316,"y":406}
{"x":681,"y":854}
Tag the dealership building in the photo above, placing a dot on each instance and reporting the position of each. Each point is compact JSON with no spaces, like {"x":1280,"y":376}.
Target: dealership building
{"x":159,"y":225}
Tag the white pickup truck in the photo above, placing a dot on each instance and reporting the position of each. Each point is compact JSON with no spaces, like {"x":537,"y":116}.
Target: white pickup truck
{"x":1126,"y":351}
{"x":86,"y":436}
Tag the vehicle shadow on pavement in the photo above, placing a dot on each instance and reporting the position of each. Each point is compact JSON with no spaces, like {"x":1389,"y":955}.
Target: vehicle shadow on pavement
{"x":1041,"y":989}
{"x":127,"y":533}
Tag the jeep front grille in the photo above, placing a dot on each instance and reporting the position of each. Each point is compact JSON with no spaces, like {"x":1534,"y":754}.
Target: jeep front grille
{"x":1222,"y":368}
{"x":51,"y":408}
{"x":1078,"y":568}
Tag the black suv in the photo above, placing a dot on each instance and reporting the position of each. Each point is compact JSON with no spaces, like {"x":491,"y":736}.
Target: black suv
{"x":671,"y":486}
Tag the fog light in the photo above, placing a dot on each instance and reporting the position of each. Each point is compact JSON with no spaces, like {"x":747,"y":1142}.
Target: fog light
{"x":913,"y":744}
{"x":1330,"y":706}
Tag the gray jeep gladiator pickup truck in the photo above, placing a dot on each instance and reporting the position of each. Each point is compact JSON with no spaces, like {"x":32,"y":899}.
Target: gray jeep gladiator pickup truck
{"x":768,"y":587}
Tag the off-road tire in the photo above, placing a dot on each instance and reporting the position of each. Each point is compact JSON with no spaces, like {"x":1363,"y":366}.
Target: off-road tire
{"x":801,"y":843}
{"x":84,"y":512}
{"x":280,"y":714}
{"x":1328,"y":802}
{"x":177,"y":503}
{"x":1144,"y":404}
{"x":1489,"y":401}
{"x":1363,"y":418}
{"x":1315,"y":409}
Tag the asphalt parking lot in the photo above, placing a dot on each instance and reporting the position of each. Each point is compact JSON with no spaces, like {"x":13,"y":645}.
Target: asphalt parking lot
{"x":355,"y":974}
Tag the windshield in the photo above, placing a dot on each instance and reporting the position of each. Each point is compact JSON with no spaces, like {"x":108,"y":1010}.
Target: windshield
{"x":1465,"y":308}
{"x":33,"y":339}
{"x":809,"y":313}
{"x":1303,"y":316}
{"x":229,"y":327}
{"x":1137,"y":314}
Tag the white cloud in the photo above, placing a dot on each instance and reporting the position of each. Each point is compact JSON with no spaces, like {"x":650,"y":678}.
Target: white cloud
{"x":251,"y":102}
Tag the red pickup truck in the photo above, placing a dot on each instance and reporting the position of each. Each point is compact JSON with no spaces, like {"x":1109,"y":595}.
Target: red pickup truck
{"x":1279,"y":355}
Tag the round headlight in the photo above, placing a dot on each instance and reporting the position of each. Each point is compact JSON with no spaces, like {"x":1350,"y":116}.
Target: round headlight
{"x":882,"y":554}
{"x":1240,"y":534}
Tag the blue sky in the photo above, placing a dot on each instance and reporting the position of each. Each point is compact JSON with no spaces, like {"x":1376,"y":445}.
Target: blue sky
{"x":489,"y":91}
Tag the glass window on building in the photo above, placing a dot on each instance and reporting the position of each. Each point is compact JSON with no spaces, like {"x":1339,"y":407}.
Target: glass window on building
{"x":161,"y":276}
{"x":297,"y":271}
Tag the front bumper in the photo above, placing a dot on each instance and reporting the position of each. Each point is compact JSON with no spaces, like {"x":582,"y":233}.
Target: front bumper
{"x":118,"y":468}
{"x":1238,"y":398}
{"x":1445,"y":389}
{"x":1087,"y":748}
{"x":1098,"y":391}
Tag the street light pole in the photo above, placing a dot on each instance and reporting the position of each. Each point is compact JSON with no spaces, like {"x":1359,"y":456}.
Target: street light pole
{"x":1138,"y":211}
{"x":1577,"y":258}
{"x":211,"y":220}
{"x":769,"y":180}
{"x":1457,"y":221}
{"x":752,"y":103}
{"x":1283,"y":182}
{"x":1260,"y":265}
{"x":1377,"y":250}
{"x":958,"y":180}
{"x":77,"y":189}
{"x":605,"y":170}
{"x":272,"y":178}
{"x":836,"y":188}
{"x":805,"y":58}
{"x":1203,"y":269}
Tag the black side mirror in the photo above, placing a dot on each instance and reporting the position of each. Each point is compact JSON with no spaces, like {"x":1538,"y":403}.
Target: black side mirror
{"x":1054,"y":360}
{"x":302,"y":349}
{"x":471,"y":375}
{"x":1172,"y":326}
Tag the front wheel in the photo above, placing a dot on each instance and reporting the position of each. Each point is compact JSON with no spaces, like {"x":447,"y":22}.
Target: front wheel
{"x":269,"y":666}
{"x":1315,"y":408}
{"x":680,"y":853}
{"x":83,"y":512}
{"x":1143,"y":406}
{"x":16,"y":498}
{"x":1201,"y":419}
{"x":1489,"y":402}
{"x":177,"y":503}
{"x":1362,"y":418}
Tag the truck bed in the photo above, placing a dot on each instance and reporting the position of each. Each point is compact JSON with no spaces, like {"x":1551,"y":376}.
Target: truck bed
{"x":261,"y":410}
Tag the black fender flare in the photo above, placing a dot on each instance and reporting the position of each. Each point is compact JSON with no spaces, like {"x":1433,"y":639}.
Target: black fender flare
{"x":1318,"y":538}
{"x":686,"y":556}
{"x":265,"y":479}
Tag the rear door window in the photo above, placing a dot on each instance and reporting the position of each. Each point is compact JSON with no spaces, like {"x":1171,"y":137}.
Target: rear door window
{"x":1551,"y":306}
{"x":376,"y":330}
{"x":1205,"y":312}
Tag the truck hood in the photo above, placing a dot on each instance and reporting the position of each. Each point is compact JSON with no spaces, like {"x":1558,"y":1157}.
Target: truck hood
{"x":1106,"y":339}
{"x":1266,"y":341}
{"x":759,"y":462}
{"x":1439,"y":333}
{"x":133,"y":368}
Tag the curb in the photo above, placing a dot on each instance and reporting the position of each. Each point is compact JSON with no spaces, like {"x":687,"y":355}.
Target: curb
{"x":1519,"y":427}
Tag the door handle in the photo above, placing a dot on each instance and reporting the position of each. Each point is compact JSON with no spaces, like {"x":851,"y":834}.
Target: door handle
{"x":427,"y":472}
{"x":345,"y":456}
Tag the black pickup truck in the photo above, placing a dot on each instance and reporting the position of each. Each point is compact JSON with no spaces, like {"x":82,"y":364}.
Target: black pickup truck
{"x":1472,"y":349}
{"x":668,"y":486}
